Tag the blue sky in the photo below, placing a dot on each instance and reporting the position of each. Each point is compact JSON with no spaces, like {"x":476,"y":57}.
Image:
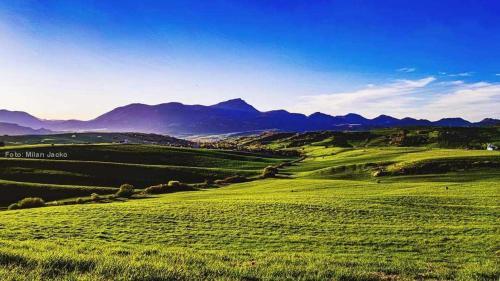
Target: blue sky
{"x":425,"y":59}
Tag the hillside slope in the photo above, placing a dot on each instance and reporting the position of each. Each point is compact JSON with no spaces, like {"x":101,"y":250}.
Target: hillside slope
{"x":108,"y":166}
{"x":310,"y":226}
{"x":468,"y":138}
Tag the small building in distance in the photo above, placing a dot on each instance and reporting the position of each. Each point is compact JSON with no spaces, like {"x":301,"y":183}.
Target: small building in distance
{"x":491,"y":146}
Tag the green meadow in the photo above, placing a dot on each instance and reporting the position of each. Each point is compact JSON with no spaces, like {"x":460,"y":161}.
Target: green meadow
{"x":341,"y":213}
{"x":103,"y":168}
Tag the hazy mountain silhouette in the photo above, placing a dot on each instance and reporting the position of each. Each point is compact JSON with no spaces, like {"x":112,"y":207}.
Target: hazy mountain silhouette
{"x":15,"y":130}
{"x":20,"y":118}
{"x":235,"y":104}
{"x":230,"y":116}
{"x":488,"y":122}
{"x":452,"y":122}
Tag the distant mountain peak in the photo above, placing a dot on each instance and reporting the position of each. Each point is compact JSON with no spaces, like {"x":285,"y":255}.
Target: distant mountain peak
{"x":235,"y":104}
{"x":385,"y":119}
{"x":353,"y":118}
{"x":352,"y":115}
{"x":489,"y":122}
{"x":319,"y":114}
{"x":452,"y":122}
{"x":385,"y":116}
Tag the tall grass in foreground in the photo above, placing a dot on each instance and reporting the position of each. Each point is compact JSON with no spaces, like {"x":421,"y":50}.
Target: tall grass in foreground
{"x":68,"y":261}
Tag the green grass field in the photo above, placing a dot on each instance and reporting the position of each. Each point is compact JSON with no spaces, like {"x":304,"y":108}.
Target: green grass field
{"x":330,"y":219}
{"x":103,"y":167}
{"x":91,"y":138}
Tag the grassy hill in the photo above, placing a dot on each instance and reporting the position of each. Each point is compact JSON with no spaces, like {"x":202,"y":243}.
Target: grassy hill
{"x":13,"y":191}
{"x":466,"y":137}
{"x":365,"y":163}
{"x":92,"y":138}
{"x":333,"y":217}
{"x":105,"y":167}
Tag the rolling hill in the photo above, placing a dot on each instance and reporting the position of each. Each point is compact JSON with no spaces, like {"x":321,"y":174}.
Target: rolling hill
{"x":457,"y":137}
{"x":102,"y":168}
{"x":94,"y":138}
{"x":16,"y":130}
{"x":327,"y":217}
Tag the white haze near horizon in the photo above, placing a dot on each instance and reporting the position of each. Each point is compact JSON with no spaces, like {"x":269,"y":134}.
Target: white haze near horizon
{"x":62,"y":79}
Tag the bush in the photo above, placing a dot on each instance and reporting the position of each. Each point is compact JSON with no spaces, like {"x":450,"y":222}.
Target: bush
{"x":126,"y":191}
{"x":79,"y":201}
{"x":269,"y":172}
{"x":156,"y":189}
{"x":172,"y":186}
{"x":95,"y":197}
{"x":232,"y":179}
{"x":29,"y":202}
{"x":2,"y":143}
{"x":174,"y":183}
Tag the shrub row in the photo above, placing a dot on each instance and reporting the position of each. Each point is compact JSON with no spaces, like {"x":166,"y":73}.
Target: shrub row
{"x":128,"y":190}
{"x":171,"y":186}
{"x":232,"y":179}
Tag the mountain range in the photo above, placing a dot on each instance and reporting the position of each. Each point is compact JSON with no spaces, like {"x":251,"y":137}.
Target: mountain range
{"x":230,"y":116}
{"x":16,"y":130}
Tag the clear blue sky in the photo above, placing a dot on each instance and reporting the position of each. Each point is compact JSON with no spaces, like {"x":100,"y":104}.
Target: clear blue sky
{"x":428,"y":59}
